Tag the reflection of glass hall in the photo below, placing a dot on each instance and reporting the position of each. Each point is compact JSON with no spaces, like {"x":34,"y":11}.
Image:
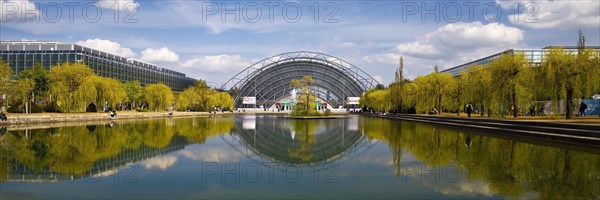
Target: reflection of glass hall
{"x":332,"y":141}
{"x":269,"y":80}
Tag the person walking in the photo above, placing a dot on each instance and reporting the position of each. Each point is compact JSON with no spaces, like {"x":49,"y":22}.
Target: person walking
{"x":3,"y":116}
{"x":469,"y":109}
{"x":582,"y":107}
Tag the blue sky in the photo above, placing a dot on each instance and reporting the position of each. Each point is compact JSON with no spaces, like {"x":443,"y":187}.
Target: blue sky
{"x":205,"y":40}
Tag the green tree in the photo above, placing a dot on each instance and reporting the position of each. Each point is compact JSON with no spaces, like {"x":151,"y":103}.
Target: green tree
{"x":509,"y":78}
{"x":433,"y":90}
{"x":477,"y":87}
{"x":395,"y":95}
{"x":22,"y":89}
{"x":5,"y":78}
{"x":65,"y":81}
{"x":158,"y":96}
{"x":188,"y":99}
{"x":204,"y":93}
{"x":101,"y":91}
{"x":306,"y":98}
{"x":133,"y":92}
{"x":41,"y":76}
{"x":222,"y":100}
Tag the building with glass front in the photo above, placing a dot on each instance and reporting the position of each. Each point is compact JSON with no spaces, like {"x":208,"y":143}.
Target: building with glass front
{"x":535,"y":57}
{"x":21,"y":56}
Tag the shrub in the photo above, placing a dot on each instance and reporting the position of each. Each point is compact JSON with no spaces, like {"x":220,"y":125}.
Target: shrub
{"x":327,"y":112}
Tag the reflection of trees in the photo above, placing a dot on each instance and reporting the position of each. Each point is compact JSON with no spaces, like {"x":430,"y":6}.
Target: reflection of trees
{"x":305,"y":133}
{"x":74,"y":150}
{"x":158,"y":134}
{"x":509,"y":168}
{"x":197,"y":130}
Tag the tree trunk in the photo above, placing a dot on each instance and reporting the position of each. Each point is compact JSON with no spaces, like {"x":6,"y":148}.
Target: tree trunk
{"x":514,"y":102}
{"x":569,"y":102}
{"x":440,"y":103}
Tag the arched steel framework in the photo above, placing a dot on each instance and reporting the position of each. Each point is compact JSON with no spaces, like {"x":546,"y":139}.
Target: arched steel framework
{"x":271,"y":142}
{"x":269,"y":79}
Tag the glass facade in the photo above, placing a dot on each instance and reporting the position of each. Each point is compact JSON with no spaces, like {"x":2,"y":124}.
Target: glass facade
{"x":535,"y":57}
{"x":21,"y":56}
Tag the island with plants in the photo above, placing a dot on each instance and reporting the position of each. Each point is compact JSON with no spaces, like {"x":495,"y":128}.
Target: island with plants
{"x":305,"y":108}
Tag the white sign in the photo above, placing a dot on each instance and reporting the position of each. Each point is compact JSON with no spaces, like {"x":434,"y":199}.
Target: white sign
{"x":249,"y":100}
{"x":353,"y":100}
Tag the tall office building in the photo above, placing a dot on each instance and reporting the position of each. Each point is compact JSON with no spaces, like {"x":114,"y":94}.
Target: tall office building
{"x":21,"y":56}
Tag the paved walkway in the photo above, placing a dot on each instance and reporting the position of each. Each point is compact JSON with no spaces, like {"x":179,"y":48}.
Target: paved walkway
{"x":37,"y":118}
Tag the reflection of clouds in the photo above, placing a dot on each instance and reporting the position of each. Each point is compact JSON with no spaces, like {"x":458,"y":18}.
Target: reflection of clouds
{"x":111,"y":171}
{"x":105,"y":173}
{"x":162,"y":162}
{"x":464,"y":188}
{"x":384,"y":160}
{"x":213,"y":154}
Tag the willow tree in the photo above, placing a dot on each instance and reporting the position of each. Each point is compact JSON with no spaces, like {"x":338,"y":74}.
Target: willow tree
{"x":158,"y":96}
{"x":222,"y":100}
{"x":5,"y":78}
{"x":395,"y":95}
{"x":204,"y":93}
{"x":22,"y":89}
{"x":305,"y":99}
{"x":65,"y":81}
{"x":433,"y":91}
{"x":508,"y":78}
{"x":477,"y":87}
{"x":133,"y":92}
{"x":409,"y":92}
{"x":588,"y":62}
{"x":188,"y":99}
{"x":102,"y":91}
{"x":568,"y":76}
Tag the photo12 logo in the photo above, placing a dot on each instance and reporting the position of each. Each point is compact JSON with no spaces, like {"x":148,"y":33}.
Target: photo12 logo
{"x":254,"y":12}
{"x":452,"y":12}
{"x":254,"y":172}
{"x":71,"y":11}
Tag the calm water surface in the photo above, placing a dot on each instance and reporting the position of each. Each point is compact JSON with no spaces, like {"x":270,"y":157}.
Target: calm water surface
{"x":265,"y":156}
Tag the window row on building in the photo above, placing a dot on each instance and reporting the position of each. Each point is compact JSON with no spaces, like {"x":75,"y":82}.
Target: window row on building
{"x":21,"y":56}
{"x":534,"y":56}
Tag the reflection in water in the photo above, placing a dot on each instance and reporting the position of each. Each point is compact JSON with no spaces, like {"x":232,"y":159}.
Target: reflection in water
{"x":75,"y":152}
{"x":507,"y":167}
{"x":487,"y":166}
{"x":296,"y":142}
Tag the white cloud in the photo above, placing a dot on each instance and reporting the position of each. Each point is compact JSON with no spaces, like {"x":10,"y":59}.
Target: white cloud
{"x":218,"y":63}
{"x":461,"y":37}
{"x":159,"y":55}
{"x":108,"y":46}
{"x":378,"y":79}
{"x":163,"y":162}
{"x":450,"y":45}
{"x":18,"y":10}
{"x":119,"y":5}
{"x":554,"y":14}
